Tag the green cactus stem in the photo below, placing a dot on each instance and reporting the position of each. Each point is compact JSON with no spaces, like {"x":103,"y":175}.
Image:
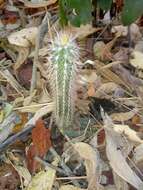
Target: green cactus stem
{"x":63,"y":59}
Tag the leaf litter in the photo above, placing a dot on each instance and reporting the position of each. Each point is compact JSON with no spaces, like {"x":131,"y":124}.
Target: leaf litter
{"x":103,"y":149}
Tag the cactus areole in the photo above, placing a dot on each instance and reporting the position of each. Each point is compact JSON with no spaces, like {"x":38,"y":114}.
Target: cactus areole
{"x":63,"y":59}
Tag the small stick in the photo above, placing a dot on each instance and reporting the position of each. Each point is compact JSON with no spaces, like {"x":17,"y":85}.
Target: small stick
{"x":41,"y":33}
{"x":15,"y":137}
{"x":49,"y":165}
{"x":65,"y":167}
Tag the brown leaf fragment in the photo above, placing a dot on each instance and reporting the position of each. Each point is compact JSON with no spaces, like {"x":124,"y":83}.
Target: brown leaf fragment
{"x":41,"y":138}
{"x":31,"y":163}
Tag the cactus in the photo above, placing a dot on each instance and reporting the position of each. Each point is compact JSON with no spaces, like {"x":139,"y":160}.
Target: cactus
{"x":63,"y":59}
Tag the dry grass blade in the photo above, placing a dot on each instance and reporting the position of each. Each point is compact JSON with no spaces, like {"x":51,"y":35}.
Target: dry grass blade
{"x":8,"y":76}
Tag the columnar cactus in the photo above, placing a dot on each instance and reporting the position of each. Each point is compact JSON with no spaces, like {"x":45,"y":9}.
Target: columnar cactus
{"x":63,"y":59}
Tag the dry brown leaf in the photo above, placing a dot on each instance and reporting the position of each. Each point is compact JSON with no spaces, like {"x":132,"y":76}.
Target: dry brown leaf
{"x":134,"y":31}
{"x":23,"y":53}
{"x":117,"y":153}
{"x":91,"y":90}
{"x":88,"y":76}
{"x":41,"y":138}
{"x":118,"y":162}
{"x":43,"y":180}
{"x":124,"y":116}
{"x":102,"y":51}
{"x":137,"y":60}
{"x":129,"y":133}
{"x":105,"y":89}
{"x":82,"y":31}
{"x":43,"y":3}
{"x":109,"y":75}
{"x":90,"y":157}
{"x":24,"y":38}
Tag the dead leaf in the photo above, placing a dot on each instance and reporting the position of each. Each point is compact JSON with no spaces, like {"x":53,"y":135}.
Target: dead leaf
{"x":31,"y":163}
{"x":137,"y":60}
{"x":43,"y":180}
{"x":116,"y":157}
{"x":90,"y":157}
{"x":23,"y":120}
{"x":120,"y":183}
{"x":109,"y":75}
{"x":134,"y":31}
{"x":41,"y":138}
{"x":24,"y":173}
{"x":24,"y":38}
{"x":138,"y":154}
{"x":102,"y":51}
{"x":129,"y":133}
{"x":7,"y":126}
{"x":106,"y":89}
{"x":82,"y":31}
{"x":124,"y":116}
{"x":91,"y":90}
{"x":22,"y":56}
{"x":14,"y":83}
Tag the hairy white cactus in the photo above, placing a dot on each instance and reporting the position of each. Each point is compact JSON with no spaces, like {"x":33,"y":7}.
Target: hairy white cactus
{"x":63,"y":59}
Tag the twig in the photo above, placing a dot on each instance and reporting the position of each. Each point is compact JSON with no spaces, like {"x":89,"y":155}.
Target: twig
{"x":49,"y":165}
{"x":41,"y":33}
{"x":15,"y":137}
{"x":65,"y":167}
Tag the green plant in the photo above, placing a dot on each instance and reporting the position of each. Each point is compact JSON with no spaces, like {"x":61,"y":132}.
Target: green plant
{"x":79,"y":12}
{"x":64,"y":56}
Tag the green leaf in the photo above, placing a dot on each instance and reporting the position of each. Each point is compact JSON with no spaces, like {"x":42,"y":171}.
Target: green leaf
{"x":62,"y":13}
{"x":76,"y":11}
{"x":104,"y":4}
{"x":131,"y":11}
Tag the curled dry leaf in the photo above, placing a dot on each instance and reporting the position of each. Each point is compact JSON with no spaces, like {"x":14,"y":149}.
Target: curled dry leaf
{"x":127,"y":132}
{"x":115,"y":154}
{"x":24,"y":38}
{"x":124,"y":116}
{"x":90,"y":157}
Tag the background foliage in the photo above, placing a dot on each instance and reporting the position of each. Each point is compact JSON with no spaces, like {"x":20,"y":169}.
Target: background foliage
{"x":79,"y":12}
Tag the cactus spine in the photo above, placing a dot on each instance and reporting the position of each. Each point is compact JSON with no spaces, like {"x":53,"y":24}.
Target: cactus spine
{"x":63,"y":59}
